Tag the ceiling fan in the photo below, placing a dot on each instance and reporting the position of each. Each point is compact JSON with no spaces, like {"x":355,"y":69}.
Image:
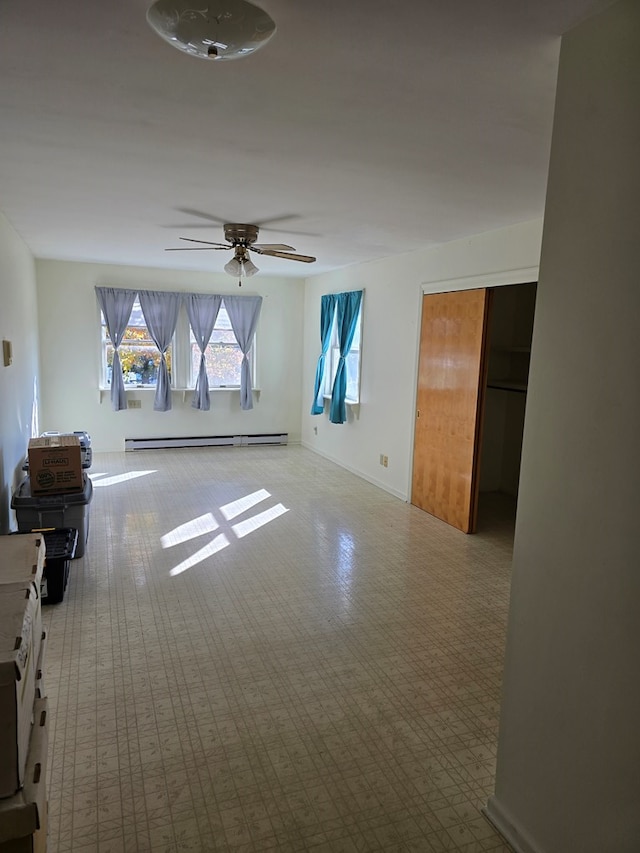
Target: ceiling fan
{"x":242,"y":238}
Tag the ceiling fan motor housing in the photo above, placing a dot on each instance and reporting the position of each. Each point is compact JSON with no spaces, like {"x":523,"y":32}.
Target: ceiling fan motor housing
{"x":243,"y":235}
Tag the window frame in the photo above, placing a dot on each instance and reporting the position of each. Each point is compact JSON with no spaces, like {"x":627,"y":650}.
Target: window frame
{"x":183,"y":374}
{"x":193,"y":371}
{"x":105,"y":342}
{"x":333,"y":355}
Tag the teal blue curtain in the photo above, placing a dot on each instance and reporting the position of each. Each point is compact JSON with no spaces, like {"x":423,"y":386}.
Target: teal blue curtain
{"x":347,"y":310}
{"x":327,"y":309}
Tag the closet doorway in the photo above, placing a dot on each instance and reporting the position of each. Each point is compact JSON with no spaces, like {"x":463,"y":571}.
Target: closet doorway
{"x":475,"y":348}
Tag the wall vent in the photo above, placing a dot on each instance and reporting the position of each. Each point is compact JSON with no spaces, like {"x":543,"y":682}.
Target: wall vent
{"x":205,"y":441}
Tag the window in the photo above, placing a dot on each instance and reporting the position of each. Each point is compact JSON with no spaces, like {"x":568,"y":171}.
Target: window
{"x":223,"y":355}
{"x":139,"y":356}
{"x":352,"y":363}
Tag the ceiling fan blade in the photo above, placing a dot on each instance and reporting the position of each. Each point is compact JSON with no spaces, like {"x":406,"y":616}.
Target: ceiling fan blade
{"x":208,"y":242}
{"x":197,"y":249}
{"x":273,"y":247}
{"x":264,"y":224}
{"x":184,"y":226}
{"x":200,"y":214}
{"x":306,"y":259}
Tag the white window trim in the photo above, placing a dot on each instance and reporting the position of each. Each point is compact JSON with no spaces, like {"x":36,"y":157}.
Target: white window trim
{"x":328,"y":380}
{"x":181,"y":379}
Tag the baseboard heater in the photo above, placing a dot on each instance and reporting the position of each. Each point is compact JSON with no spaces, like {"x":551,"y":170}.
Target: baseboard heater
{"x":206,"y":441}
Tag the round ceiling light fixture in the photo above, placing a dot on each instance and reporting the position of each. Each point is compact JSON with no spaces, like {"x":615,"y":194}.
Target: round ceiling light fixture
{"x":224,"y":29}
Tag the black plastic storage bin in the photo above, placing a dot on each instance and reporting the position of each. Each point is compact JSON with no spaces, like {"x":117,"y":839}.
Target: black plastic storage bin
{"x":60,"y":549}
{"x":56,"y":511}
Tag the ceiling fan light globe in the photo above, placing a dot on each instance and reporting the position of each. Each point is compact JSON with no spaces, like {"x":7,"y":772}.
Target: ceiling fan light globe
{"x":226,"y":29}
{"x":234,"y":268}
{"x":249,"y":268}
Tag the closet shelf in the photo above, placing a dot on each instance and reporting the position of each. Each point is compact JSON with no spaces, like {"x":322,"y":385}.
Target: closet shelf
{"x":508,"y":385}
{"x":524,"y":350}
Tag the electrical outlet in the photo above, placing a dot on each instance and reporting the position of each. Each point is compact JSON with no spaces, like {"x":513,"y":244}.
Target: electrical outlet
{"x":385,"y":461}
{"x":134,"y":404}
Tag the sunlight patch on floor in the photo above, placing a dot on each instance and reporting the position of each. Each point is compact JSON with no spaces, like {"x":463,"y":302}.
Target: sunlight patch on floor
{"x":236,"y":508}
{"x":209,"y":550}
{"x":189,"y":530}
{"x":243,"y":528}
{"x":117,"y":478}
{"x":207,"y":524}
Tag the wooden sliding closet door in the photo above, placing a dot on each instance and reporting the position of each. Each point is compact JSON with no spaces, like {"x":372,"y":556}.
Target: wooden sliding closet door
{"x":451,"y":380}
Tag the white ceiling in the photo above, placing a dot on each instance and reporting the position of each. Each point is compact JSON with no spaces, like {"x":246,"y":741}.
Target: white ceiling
{"x":361,"y":130}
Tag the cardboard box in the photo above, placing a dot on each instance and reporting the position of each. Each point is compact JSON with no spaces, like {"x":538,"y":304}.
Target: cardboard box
{"x":22,"y":560}
{"x":40,"y":692}
{"x":20,"y":639}
{"x":55,"y":464}
{"x":85,"y":447}
{"x":23,"y":817}
{"x":35,"y":843}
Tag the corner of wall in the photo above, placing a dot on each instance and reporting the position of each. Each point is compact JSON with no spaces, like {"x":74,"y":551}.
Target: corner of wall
{"x":19,"y":382}
{"x":508,"y":827}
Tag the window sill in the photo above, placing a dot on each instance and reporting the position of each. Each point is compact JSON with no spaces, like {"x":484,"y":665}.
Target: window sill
{"x":347,"y":400}
{"x":352,"y":404}
{"x":145,"y":389}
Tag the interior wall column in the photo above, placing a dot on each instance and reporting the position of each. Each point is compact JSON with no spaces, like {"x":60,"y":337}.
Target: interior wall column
{"x":568,"y":768}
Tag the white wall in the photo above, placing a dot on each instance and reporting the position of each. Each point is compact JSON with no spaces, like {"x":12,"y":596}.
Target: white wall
{"x":568,"y":772}
{"x":19,"y":382}
{"x":70,"y":355}
{"x":384,"y":421}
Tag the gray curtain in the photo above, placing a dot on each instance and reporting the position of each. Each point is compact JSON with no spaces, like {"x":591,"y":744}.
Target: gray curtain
{"x":244,"y":312}
{"x":160,"y":309}
{"x":202,"y":310}
{"x":116,"y":305}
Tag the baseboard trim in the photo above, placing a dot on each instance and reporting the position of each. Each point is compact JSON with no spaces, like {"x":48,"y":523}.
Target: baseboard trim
{"x":396,"y":494}
{"x":509,"y":828}
{"x":159,"y":443}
